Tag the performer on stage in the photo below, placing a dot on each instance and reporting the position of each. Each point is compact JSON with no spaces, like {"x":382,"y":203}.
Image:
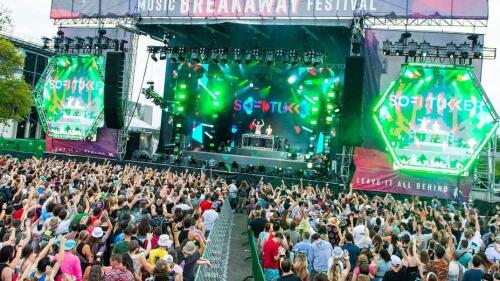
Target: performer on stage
{"x":258,"y":126}
{"x":269,"y":130}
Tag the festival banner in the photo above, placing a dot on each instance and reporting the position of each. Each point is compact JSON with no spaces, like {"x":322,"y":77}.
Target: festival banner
{"x":258,"y":9}
{"x":104,"y":146}
{"x":374,"y":172}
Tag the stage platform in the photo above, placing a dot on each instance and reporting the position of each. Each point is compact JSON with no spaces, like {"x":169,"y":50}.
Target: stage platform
{"x":256,"y":158}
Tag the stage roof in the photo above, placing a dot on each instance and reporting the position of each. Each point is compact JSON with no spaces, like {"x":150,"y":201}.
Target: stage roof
{"x":291,"y":12}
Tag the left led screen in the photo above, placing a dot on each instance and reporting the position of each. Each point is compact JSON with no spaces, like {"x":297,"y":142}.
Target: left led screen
{"x":72,"y":96}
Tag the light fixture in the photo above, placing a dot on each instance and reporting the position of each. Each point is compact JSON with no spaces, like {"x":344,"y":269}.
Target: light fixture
{"x":399,"y":48}
{"x":386,"y":47}
{"x":464,"y":50}
{"x":478,"y":51}
{"x":412,"y":48}
{"x":425,"y":48}
{"x":153,"y":57}
{"x":451,"y":49}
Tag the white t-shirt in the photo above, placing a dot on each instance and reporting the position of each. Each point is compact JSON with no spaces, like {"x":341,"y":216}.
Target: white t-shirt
{"x":476,"y":242}
{"x":492,"y":254}
{"x":359,"y":235}
{"x":209,"y":218}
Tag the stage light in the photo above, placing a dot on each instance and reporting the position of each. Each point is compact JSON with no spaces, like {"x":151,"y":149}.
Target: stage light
{"x":425,"y":48}
{"x":289,"y":155}
{"x":386,"y":47}
{"x":183,"y":86}
{"x":237,"y":56}
{"x":309,"y":165}
{"x":105,"y":43}
{"x":46,"y":42}
{"x":217,"y":93}
{"x":251,"y":85}
{"x":308,"y":156}
{"x":317,"y":59}
{"x":248,"y":57}
{"x":451,"y":49}
{"x":301,"y":87}
{"x":216,"y":103}
{"x":412,"y":48}
{"x":399,"y":48}
{"x":153,"y":57}
{"x":292,"y":79}
{"x":234,"y":166}
{"x":308,"y":57}
{"x":478,"y":51}
{"x":337,"y":110}
{"x":88,"y":42}
{"x":66,"y":43}
{"x":464,"y":50}
{"x":326,"y":81}
{"x":212,"y":163}
{"x":269,"y":57}
{"x":163,"y":55}
{"x":262,"y":169}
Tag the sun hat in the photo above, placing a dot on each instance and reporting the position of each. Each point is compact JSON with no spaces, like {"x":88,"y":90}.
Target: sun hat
{"x":163,"y":240}
{"x":70,"y":244}
{"x":97,"y":232}
{"x":190,"y":248}
{"x":168,"y":258}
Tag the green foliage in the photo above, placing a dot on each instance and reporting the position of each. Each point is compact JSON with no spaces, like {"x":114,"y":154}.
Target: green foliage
{"x":5,"y":19}
{"x":15,"y":93}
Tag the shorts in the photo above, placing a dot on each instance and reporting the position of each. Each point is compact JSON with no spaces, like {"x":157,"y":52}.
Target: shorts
{"x":271,"y":274}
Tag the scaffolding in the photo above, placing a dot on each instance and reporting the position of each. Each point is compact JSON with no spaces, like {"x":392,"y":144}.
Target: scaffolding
{"x":484,"y":172}
{"x":128,"y":86}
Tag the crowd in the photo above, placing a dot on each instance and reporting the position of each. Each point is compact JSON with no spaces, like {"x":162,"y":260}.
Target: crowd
{"x":70,"y":221}
{"x":307,"y":233}
{"x":64,"y":220}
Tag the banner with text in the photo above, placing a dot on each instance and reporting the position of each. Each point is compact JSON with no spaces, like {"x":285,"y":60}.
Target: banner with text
{"x":248,"y":9}
{"x":104,"y":146}
{"x":374,"y":172}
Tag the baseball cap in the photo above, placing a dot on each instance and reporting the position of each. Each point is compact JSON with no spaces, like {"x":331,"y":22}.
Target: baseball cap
{"x":395,"y":261}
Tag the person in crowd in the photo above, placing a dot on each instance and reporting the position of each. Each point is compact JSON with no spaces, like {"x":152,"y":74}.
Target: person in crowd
{"x":117,"y":271}
{"x":476,"y":272}
{"x":209,"y":218}
{"x":321,"y":252}
{"x":272,"y":252}
{"x":286,"y":272}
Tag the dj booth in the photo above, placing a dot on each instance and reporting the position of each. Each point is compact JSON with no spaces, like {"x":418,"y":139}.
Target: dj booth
{"x":258,"y":141}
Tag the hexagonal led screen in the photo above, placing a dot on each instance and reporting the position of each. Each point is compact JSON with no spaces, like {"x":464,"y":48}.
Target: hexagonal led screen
{"x":70,"y":96}
{"x":435,"y":118}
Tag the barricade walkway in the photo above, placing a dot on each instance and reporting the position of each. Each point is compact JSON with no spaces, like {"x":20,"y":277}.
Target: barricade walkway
{"x":217,"y":250}
{"x":240,"y":266}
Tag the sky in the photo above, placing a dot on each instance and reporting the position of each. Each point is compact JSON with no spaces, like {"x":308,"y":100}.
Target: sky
{"x":31,"y":21}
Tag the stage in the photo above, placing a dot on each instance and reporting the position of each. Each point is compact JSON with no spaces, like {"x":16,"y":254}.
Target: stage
{"x":246,"y":157}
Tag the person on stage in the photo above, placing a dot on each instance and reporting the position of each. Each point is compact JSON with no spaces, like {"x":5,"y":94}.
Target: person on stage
{"x":258,"y":126}
{"x":269,"y":130}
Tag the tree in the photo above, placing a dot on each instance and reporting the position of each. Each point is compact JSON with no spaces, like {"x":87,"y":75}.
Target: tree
{"x":15,"y":93}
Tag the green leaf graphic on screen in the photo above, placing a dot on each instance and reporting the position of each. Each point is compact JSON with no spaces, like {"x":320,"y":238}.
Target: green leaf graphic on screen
{"x":71,"y":96}
{"x":435,"y":118}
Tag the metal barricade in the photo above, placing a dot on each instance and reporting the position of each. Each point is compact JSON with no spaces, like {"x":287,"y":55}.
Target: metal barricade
{"x":217,"y":249}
